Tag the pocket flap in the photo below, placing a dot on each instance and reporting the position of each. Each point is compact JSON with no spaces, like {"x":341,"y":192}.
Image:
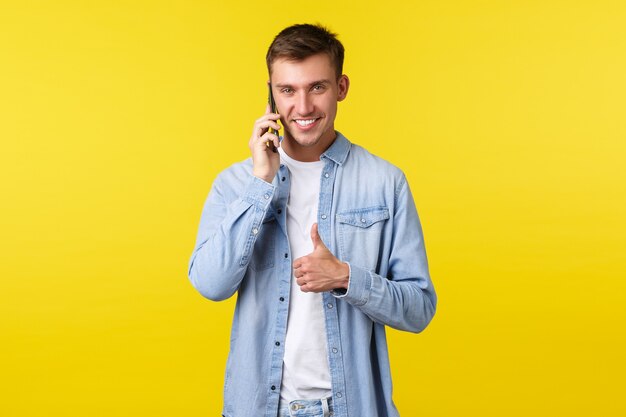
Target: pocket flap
{"x":364,"y":217}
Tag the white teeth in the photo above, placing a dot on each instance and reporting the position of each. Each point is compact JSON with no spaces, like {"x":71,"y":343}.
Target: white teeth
{"x":305,"y":122}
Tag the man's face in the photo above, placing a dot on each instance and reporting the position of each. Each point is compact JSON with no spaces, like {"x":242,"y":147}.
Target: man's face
{"x":306,"y":94}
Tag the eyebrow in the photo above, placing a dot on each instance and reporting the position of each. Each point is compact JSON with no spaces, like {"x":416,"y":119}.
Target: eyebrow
{"x":280,"y":85}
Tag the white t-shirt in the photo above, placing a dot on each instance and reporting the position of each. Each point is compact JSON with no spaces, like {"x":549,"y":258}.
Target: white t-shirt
{"x":306,"y":373}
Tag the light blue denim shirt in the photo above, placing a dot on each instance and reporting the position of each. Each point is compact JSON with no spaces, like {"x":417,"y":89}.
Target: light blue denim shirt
{"x":367,"y":218}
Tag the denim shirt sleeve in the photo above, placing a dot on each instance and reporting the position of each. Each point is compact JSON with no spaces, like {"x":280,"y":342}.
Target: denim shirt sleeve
{"x":405,"y":298}
{"x":226,"y":236}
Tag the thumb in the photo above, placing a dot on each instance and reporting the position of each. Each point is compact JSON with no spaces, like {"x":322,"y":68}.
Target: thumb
{"x":315,"y":237}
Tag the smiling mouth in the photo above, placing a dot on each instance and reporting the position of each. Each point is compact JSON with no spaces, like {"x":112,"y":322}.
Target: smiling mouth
{"x":305,"y":122}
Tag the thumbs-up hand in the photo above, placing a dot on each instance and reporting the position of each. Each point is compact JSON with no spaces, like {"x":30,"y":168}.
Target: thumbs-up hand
{"x":320,"y":270}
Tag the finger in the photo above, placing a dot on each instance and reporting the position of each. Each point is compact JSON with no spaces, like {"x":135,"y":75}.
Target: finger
{"x":297,"y":263}
{"x":262,"y":126}
{"x":301,"y":269}
{"x":315,"y":237}
{"x":276,"y":141}
{"x":271,"y":140}
{"x":266,"y":124}
{"x":268,"y":116}
{"x":304,"y":286}
{"x":267,"y":136}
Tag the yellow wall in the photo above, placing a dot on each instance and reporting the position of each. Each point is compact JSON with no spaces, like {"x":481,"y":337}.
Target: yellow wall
{"x":507,"y":117}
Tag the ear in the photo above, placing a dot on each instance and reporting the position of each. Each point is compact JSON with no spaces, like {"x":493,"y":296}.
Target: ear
{"x":344,"y":85}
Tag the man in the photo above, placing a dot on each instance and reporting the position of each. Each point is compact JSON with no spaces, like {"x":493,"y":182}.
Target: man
{"x":321,"y":241}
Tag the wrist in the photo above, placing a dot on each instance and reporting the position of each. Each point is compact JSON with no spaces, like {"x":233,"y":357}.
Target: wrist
{"x":344,"y":276}
{"x":267,"y":178}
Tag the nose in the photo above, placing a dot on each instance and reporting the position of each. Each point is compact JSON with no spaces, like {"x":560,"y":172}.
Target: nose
{"x":304,"y":105}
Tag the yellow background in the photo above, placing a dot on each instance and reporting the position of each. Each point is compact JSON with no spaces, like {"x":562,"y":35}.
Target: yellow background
{"x":507,"y":117}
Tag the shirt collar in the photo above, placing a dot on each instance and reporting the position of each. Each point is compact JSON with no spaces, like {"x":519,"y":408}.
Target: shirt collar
{"x":338,"y":151}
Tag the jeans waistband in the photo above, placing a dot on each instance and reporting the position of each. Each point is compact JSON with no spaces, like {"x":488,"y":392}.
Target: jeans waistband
{"x":322,"y":408}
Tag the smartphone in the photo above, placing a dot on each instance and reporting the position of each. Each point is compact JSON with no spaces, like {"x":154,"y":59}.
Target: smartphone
{"x":272,"y":103}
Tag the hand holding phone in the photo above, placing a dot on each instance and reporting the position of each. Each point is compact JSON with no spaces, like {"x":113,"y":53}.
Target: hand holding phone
{"x":264,"y":137}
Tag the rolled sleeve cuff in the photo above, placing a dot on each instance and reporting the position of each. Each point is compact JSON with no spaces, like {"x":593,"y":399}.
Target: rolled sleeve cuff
{"x":259,"y":193}
{"x":359,"y":287}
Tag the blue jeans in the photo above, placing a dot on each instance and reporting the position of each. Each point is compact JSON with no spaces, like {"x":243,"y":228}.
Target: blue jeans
{"x":307,"y":408}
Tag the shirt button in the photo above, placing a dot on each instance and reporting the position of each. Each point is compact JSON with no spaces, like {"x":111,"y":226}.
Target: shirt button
{"x":267,"y":196}
{"x":279,"y":211}
{"x":255,"y":230}
{"x":326,"y":175}
{"x":282,"y":298}
{"x":362,"y":220}
{"x":283,"y":179}
{"x":339,"y":395}
{"x":286,"y":255}
{"x":324,"y":216}
{"x":329,"y":305}
{"x":277,"y":343}
{"x":335,"y":350}
{"x":273,"y":387}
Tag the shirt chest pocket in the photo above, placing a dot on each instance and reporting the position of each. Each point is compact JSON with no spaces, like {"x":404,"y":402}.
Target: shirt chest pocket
{"x":360,"y":233}
{"x":264,"y":252}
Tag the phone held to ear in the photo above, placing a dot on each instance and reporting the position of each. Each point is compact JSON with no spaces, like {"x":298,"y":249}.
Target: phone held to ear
{"x":272,"y":103}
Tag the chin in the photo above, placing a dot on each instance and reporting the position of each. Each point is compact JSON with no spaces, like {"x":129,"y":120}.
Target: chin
{"x":306,"y":140}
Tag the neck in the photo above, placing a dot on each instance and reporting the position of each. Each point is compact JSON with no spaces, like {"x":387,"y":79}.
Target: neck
{"x":307,"y":153}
